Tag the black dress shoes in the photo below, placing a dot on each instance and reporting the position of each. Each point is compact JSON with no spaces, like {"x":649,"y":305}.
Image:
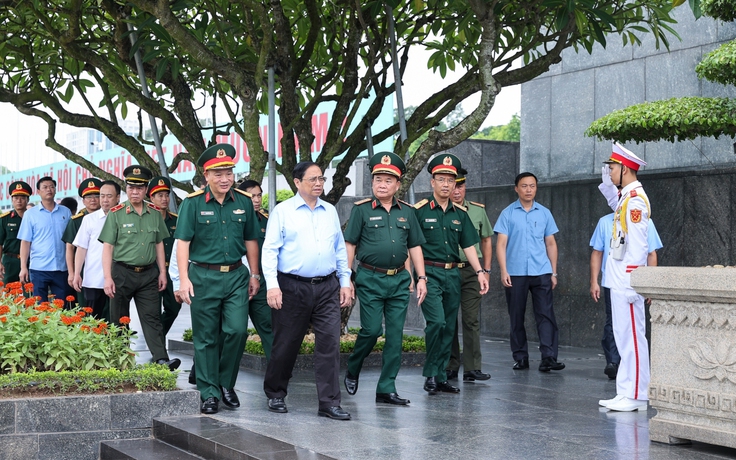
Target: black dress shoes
{"x":334,"y":412}
{"x":229,"y":398}
{"x":172,"y":363}
{"x":351,"y":383}
{"x":192,"y":376}
{"x":447,"y":388}
{"x":521,"y":364}
{"x":391,"y":398}
{"x":277,"y":405}
{"x":472,"y":376}
{"x":550,"y":364}
{"x":611,"y":370}
{"x":209,"y":406}
{"x":451,"y":375}
{"x":430,"y":385}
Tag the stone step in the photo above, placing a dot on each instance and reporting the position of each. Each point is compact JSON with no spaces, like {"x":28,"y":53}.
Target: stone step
{"x":214,"y":440}
{"x":142,"y":449}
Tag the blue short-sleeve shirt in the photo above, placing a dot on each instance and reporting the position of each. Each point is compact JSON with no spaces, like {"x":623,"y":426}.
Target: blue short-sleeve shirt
{"x":526,"y":251}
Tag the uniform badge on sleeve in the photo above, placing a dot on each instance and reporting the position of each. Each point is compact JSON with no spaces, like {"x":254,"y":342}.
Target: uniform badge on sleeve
{"x":635,"y":215}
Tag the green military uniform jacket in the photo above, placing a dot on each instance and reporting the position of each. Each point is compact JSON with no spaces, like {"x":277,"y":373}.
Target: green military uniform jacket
{"x":72,"y":228}
{"x":445,"y":231}
{"x":217,"y":232}
{"x":479,"y":218}
{"x":383,"y":237}
{"x":134,"y":236}
{"x":170,"y":222}
{"x":262,"y":223}
{"x":9,"y":226}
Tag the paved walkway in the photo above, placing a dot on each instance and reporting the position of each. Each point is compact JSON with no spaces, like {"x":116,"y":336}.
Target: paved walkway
{"x":515,"y":415}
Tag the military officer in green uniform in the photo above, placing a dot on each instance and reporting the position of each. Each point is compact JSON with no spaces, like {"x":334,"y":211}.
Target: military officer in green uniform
{"x":446,"y":227}
{"x":384,"y":231}
{"x":159,"y":192}
{"x":19,"y":193}
{"x":216,"y":227}
{"x":133,"y":261}
{"x":258,"y":309}
{"x":470,"y":290}
{"x":89,"y":191}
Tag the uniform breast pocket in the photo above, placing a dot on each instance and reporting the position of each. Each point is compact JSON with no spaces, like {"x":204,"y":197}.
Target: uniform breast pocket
{"x":206,"y":227}
{"x":456,"y":226}
{"x":237,"y":224}
{"x":430,"y":225}
{"x":375,"y":230}
{"x":151,"y":234}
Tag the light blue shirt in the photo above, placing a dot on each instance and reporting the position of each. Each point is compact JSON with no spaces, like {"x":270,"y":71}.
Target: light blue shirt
{"x":44,"y":229}
{"x":526,"y":251}
{"x":600,"y":241}
{"x":304,"y":242}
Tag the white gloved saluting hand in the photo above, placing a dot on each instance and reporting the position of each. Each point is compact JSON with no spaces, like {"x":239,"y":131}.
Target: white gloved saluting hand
{"x":609,"y":191}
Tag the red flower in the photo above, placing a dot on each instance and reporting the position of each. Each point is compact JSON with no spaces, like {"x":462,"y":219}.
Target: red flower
{"x":58,"y":303}
{"x":28,"y":287}
{"x":85,"y":328}
{"x":3,"y":319}
{"x":102,"y":325}
{"x":88,"y":310}
{"x":33,"y":319}
{"x":30,"y":302}
{"x":70,"y":298}
{"x":96,"y":330}
{"x":80,"y":313}
{"x":124,"y":320}
{"x":4,"y":309}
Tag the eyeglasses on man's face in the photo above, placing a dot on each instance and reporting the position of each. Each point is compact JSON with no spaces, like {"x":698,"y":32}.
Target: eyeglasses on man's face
{"x":315,"y":179}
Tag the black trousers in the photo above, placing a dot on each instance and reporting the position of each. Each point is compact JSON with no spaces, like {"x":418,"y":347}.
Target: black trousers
{"x":540,"y":288}
{"x":303,"y":303}
{"x":96,"y":298}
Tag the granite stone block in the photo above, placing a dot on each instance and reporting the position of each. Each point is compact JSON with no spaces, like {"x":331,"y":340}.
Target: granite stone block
{"x":19,"y":447}
{"x":500,"y":164}
{"x":706,"y":232}
{"x":618,"y":86}
{"x":665,"y":155}
{"x":82,"y":445}
{"x":726,"y":30}
{"x":693,"y":33}
{"x":64,"y":414}
{"x":7,"y":417}
{"x":536,"y":99}
{"x":673,"y":75}
{"x":137,"y":410}
{"x":575,"y":61}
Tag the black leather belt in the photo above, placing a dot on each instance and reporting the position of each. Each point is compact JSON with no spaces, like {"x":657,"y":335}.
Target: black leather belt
{"x":385,"y":271}
{"x":315,"y":280}
{"x":444,"y":265}
{"x":220,"y":268}
{"x":136,"y":268}
{"x":10,"y":254}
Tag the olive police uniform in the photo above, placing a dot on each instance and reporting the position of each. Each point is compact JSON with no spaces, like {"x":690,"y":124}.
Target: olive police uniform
{"x":382,"y":284}
{"x":445,"y":231}
{"x":470,"y":296}
{"x":171,"y":306}
{"x":217,"y":234}
{"x":258,"y":310}
{"x":87,"y":187}
{"x":9,"y":225}
{"x":134,"y":270}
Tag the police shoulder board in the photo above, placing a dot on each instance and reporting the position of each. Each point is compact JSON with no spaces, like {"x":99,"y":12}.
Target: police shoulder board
{"x":461,"y":207}
{"x":117,"y":208}
{"x":480,"y":205}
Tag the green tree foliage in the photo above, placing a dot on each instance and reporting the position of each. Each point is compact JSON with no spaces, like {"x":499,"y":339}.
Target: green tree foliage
{"x":680,"y":119}
{"x":511,"y":131}
{"x":322,"y":51}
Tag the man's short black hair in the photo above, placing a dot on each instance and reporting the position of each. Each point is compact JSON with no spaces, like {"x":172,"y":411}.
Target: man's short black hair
{"x":246,"y":184}
{"x":44,"y":179}
{"x":523,"y":175}
{"x":70,"y":203}
{"x":118,"y":190}
{"x":301,"y":168}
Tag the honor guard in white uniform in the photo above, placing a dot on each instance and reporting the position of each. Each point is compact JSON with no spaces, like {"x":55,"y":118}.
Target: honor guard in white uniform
{"x":628,"y":251}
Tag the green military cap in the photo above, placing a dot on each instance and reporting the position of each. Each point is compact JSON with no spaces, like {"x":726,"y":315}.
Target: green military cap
{"x":387,"y":163}
{"x":444,"y":163}
{"x":219,"y":156}
{"x":90,"y":187}
{"x":158,"y":184}
{"x":460,"y":178}
{"x":137,"y":175}
{"x":20,"y":188}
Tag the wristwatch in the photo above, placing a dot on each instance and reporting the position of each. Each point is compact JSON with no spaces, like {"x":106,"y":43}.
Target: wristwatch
{"x":422,"y":278}
{"x":258,"y":277}
{"x":554,"y":274}
{"x":480,"y":271}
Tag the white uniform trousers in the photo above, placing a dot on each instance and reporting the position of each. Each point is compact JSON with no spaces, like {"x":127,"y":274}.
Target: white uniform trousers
{"x":629,"y":330}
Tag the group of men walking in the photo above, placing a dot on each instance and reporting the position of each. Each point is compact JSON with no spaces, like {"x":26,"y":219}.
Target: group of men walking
{"x":440,"y":249}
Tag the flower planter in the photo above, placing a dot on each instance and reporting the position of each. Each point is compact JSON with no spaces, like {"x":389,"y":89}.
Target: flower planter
{"x":303,"y":362}
{"x":71,"y":427}
{"x":693,"y":353}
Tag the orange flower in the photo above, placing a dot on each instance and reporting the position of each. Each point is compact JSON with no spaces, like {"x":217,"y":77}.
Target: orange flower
{"x":80,"y":313}
{"x":85,"y":328}
{"x":33,"y":319}
{"x":58,"y":303}
{"x":70,"y":298}
{"x":16,"y":292}
{"x":4,"y":309}
{"x":3,"y":319}
{"x":88,"y":310}
{"x":1,"y":284}
{"x":28,"y":287}
{"x":102,"y":325}
{"x":124,"y":320}
{"x":30,"y":302}
{"x":96,"y":330}
{"x":38,"y":298}
{"x":66,"y":319}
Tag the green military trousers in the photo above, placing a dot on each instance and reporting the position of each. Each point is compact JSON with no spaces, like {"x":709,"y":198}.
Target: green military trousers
{"x":219,"y":313}
{"x":171,"y":306}
{"x":381,"y":296}
{"x":260,"y":316}
{"x":440,"y":313}
{"x":12,"y":268}
{"x":470,"y":308}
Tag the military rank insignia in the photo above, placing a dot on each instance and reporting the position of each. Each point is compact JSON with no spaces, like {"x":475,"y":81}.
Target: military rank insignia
{"x":635,"y":215}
